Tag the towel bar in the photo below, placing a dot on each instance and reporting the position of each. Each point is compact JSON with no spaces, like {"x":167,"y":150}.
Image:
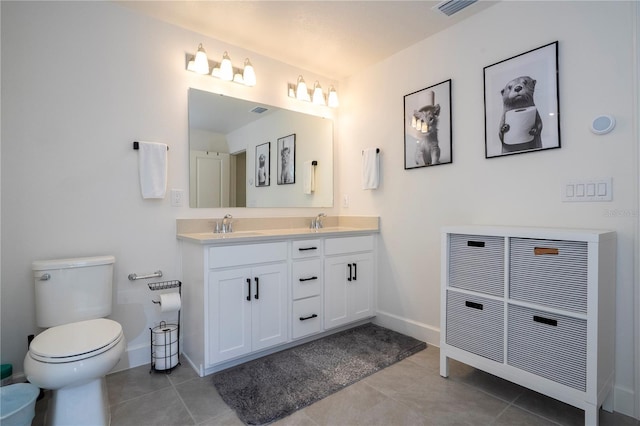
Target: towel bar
{"x":136,"y":145}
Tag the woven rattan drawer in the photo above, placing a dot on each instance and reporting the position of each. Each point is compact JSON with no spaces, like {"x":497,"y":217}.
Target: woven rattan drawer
{"x":476,"y":324}
{"x":477,"y":263}
{"x":550,"y":273}
{"x":548,"y":345}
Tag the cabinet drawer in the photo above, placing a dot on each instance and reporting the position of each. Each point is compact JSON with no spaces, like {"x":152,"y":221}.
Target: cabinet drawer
{"x":548,"y":272}
{"x":301,"y":249}
{"x":348,"y":245}
{"x":222,"y":257}
{"x":548,"y":345}
{"x":476,"y":262}
{"x":306,"y":278}
{"x":476,"y":324}
{"x":307,"y":317}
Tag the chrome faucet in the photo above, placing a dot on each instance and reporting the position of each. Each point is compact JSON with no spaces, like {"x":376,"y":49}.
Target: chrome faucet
{"x":316,"y":223}
{"x":227,"y":224}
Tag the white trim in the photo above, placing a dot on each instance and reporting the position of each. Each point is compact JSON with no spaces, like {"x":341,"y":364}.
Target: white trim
{"x":636,"y":130}
{"x":412,"y":328}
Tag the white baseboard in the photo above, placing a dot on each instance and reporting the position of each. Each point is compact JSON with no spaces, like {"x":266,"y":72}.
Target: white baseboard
{"x":412,"y":328}
{"x":624,"y":401}
{"x":133,"y":357}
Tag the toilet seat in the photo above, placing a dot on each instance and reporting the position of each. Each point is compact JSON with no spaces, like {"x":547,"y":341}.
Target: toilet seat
{"x":75,"y":341}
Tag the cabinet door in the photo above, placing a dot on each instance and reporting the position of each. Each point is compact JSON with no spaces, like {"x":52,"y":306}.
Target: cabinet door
{"x":229,"y":320}
{"x":335,"y":291}
{"x":269,"y":306}
{"x":348,"y":289}
{"x":360,"y":287}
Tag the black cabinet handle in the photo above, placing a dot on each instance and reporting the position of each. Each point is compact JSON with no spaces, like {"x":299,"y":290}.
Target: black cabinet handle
{"x":474,"y":305}
{"x":475,"y":243}
{"x":309,"y":317}
{"x":307,"y":248}
{"x":308,"y":279}
{"x":355,"y":272}
{"x":349,"y":277}
{"x":257,"y":296}
{"x":249,"y":289}
{"x":544,"y":320}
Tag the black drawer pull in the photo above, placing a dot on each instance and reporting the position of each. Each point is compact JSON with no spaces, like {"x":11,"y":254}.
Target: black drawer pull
{"x":249,"y":289}
{"x":307,"y":248}
{"x":309,"y":317}
{"x":544,"y":320}
{"x":475,"y":243}
{"x":473,"y":305}
{"x":308,"y":279}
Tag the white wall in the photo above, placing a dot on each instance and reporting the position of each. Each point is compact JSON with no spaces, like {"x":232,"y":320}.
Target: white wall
{"x":80,"y":82}
{"x":596,"y":63}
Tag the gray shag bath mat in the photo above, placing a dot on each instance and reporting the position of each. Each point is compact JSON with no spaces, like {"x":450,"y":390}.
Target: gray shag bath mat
{"x":270,"y":388}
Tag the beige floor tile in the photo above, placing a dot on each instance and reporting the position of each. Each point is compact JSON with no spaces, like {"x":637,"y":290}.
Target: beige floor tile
{"x":514,"y":416}
{"x":201,"y":399}
{"x":135,"y":382}
{"x":163,"y":407}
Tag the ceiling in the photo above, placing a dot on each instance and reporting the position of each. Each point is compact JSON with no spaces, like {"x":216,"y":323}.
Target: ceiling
{"x":335,"y":39}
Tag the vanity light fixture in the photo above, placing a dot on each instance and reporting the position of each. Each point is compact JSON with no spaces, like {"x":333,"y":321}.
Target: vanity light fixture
{"x":224,"y":70}
{"x":301,"y":92}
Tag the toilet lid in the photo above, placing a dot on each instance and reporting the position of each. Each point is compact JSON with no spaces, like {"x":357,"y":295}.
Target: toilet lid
{"x":78,"y":340}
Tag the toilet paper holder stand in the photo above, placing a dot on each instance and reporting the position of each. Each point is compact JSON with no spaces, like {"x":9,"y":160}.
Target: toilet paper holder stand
{"x":165,"y":285}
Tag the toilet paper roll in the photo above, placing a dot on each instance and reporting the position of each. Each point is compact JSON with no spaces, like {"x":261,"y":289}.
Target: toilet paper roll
{"x":166,"y":363}
{"x":520,"y":122}
{"x":165,"y":335}
{"x":170,"y":302}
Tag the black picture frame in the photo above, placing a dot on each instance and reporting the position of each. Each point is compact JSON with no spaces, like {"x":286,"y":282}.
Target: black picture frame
{"x":287,"y":160}
{"x":263,"y":164}
{"x":428,"y":127}
{"x":522,"y":103}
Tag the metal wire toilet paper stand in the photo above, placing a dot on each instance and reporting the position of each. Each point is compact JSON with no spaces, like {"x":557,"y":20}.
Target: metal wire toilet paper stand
{"x":165,"y":338}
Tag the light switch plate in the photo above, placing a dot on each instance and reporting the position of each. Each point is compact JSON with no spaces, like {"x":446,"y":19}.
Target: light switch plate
{"x":587,"y":190}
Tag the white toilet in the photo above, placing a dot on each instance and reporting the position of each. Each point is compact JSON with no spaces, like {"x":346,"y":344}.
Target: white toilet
{"x":79,"y":347}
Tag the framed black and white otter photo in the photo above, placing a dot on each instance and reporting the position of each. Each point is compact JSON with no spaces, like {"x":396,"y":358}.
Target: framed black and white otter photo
{"x":287,"y":160}
{"x":521,"y":103}
{"x":427,"y":127}
{"x":263,"y":164}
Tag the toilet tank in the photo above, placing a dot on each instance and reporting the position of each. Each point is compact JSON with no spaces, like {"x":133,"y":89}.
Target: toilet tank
{"x":69,"y":290}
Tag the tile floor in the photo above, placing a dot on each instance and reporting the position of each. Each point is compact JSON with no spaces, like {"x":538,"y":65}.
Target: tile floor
{"x":410,"y":392}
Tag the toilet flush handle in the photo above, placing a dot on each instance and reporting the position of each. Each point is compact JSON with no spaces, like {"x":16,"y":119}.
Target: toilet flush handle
{"x":45,"y":277}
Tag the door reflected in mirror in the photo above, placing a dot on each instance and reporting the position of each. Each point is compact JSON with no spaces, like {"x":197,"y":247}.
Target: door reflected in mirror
{"x":223,"y":135}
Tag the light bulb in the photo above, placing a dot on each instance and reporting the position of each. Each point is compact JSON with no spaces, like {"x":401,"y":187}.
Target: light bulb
{"x":302,"y":94}
{"x":249,"y":74}
{"x":414,"y":122}
{"x":318,"y":96}
{"x":201,"y":63}
{"x":226,"y":69}
{"x":333,"y":97}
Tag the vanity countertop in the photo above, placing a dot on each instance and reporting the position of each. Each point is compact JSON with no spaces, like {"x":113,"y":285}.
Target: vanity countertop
{"x":260,"y":231}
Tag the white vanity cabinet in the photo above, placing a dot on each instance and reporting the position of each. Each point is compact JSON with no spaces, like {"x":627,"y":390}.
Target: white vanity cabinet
{"x":533,"y":306}
{"x":247,"y":296}
{"x":247,"y":299}
{"x":349,"y":276}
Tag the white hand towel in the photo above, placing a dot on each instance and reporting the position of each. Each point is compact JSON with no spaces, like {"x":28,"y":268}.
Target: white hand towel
{"x":153,"y":169}
{"x":370,"y":168}
{"x":308,"y":177}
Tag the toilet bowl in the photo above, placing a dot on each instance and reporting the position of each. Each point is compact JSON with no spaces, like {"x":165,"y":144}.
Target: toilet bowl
{"x":72,"y":360}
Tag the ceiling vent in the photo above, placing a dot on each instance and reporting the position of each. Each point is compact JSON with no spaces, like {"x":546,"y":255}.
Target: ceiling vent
{"x":259,"y":110}
{"x":450,"y":7}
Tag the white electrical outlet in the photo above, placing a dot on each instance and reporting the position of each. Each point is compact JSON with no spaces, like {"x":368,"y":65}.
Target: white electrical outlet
{"x":177,"y":197}
{"x":345,"y":201}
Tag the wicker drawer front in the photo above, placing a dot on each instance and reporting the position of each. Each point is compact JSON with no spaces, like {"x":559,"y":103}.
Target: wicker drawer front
{"x":550,"y":273}
{"x":475,"y":324}
{"x":550,"y":346}
{"x":477,"y":263}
